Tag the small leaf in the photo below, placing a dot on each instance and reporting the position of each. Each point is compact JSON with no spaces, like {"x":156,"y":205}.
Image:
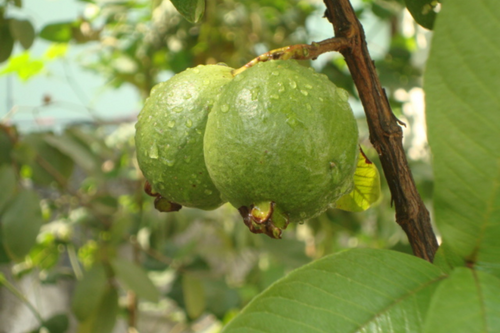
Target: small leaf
{"x":23,"y":66}
{"x":467,"y":302}
{"x":23,"y":31}
{"x":192,"y":10}
{"x":56,"y":324}
{"x":21,"y":223}
{"x":57,"y":32}
{"x":366,"y":190}
{"x":56,"y":50}
{"x":360,"y":290}
{"x":422,"y":11}
{"x":6,"y":41}
{"x":134,"y":278}
{"x":194,"y":295}
{"x":7,"y":185}
{"x":89,"y":292}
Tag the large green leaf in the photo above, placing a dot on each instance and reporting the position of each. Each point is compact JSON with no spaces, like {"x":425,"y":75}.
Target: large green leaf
{"x":6,"y":41}
{"x":467,"y":302}
{"x":57,"y":32}
{"x":21,"y":222}
{"x":192,"y":10}
{"x":194,"y":295}
{"x":362,"y":290}
{"x":23,"y":31}
{"x":8,"y":184}
{"x":463,"y":119}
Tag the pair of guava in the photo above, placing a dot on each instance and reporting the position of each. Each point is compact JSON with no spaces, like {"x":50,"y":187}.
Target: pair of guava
{"x":278,"y":141}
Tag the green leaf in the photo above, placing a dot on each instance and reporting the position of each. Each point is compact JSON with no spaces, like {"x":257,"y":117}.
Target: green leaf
{"x":366,"y":190}
{"x":447,"y":259}
{"x":56,"y":324}
{"x":80,"y":154}
{"x":23,"y":66}
{"x":105,"y":318}
{"x":20,"y":223}
{"x":6,"y":143}
{"x":89,"y":292}
{"x":461,"y":89}
{"x":56,"y":50}
{"x":467,"y":302}
{"x":361,"y":290}
{"x":136,"y":279}
{"x":23,"y":31}
{"x":192,"y":10}
{"x":8,"y":185}
{"x":423,"y":12}
{"x":6,"y":41}
{"x":194,"y":295}
{"x":57,"y":32}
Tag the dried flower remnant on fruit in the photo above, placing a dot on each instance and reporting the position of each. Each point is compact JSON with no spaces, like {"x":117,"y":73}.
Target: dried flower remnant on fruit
{"x":265,"y":218}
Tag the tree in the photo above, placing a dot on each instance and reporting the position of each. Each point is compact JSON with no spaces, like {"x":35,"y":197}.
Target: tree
{"x":355,"y":290}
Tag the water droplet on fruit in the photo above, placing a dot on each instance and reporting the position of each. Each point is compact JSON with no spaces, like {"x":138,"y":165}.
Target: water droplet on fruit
{"x":193,"y":175}
{"x":274,"y":97}
{"x":281,"y":88}
{"x":308,"y":107}
{"x":178,"y":109}
{"x":275,"y":73}
{"x":291,"y":121}
{"x":224,"y":108}
{"x":187,"y":96}
{"x":293,"y":84}
{"x":169,"y":163}
{"x":189,"y":123}
{"x":199,"y":131}
{"x":206,"y":82}
{"x":255,"y":93}
{"x":308,"y":86}
{"x":238,"y":78}
{"x":171,"y":124}
{"x":187,"y":158}
{"x":207,"y":192}
{"x":321,"y":99}
{"x":153,"y":151}
{"x":304,"y":92}
{"x":196,"y":70}
{"x":303,"y":215}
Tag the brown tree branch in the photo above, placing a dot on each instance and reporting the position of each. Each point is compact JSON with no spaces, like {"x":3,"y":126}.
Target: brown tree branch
{"x":385,"y":133}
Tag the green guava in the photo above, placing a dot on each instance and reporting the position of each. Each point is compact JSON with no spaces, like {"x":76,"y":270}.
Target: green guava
{"x":169,"y":137}
{"x":281,"y":144}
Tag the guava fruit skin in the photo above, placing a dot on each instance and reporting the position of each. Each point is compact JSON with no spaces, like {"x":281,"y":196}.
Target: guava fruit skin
{"x":281,"y":132}
{"x":169,"y":136}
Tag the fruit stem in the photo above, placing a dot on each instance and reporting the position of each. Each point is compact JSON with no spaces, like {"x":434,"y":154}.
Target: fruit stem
{"x":298,"y":52}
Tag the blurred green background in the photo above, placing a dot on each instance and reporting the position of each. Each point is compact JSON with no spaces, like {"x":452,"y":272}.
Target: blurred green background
{"x":73,"y":77}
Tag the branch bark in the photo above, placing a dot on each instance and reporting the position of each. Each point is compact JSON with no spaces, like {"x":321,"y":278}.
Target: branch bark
{"x":385,"y":133}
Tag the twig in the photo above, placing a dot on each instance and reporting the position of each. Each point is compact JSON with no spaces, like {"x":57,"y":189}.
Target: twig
{"x":385,"y":133}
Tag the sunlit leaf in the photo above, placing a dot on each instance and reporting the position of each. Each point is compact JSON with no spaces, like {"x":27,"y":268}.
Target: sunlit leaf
{"x":136,"y":279}
{"x":463,"y":122}
{"x":23,"y":66}
{"x":89,"y":292}
{"x":23,"y":31}
{"x":422,"y":11}
{"x":361,"y":290}
{"x":192,"y":10}
{"x":21,"y":222}
{"x":57,"y":32}
{"x":56,"y":50}
{"x":194,"y":295}
{"x":467,"y":302}
{"x":366,"y":190}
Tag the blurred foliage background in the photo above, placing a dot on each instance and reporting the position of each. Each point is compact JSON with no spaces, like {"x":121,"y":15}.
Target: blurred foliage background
{"x":73,"y":214}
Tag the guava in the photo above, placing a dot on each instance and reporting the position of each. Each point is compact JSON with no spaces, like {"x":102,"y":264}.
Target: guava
{"x":281,"y":144}
{"x":169,"y":138}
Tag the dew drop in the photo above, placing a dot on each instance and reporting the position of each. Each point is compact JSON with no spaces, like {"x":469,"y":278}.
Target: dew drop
{"x":178,"y":109}
{"x":343,"y":94}
{"x":187,"y":96}
{"x":189,"y":123}
{"x":193,"y":175}
{"x":206,"y":82}
{"x":169,"y":162}
{"x":304,"y":92}
{"x":187,"y":158}
{"x":199,"y":131}
{"x":196,"y":70}
{"x":274,"y":97}
{"x":224,"y":108}
{"x":275,"y":73}
{"x":303,"y":215}
{"x":171,"y":124}
{"x":308,"y":86}
{"x":308,"y":107}
{"x":321,"y":99}
{"x":153,"y":151}
{"x":238,"y":78}
{"x":292,"y":122}
{"x":293,"y":84}
{"x":281,"y":88}
{"x":208,"y":192}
